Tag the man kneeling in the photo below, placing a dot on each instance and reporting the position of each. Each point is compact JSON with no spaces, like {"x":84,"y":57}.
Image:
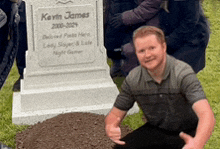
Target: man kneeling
{"x":170,"y":95}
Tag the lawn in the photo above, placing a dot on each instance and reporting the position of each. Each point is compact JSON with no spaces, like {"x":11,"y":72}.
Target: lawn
{"x":209,"y":77}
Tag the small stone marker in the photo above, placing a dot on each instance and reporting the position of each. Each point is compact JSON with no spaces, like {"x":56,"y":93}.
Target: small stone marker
{"x":66,"y":68}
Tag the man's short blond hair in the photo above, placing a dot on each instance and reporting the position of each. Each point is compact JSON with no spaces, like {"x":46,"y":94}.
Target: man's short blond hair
{"x":149,"y":30}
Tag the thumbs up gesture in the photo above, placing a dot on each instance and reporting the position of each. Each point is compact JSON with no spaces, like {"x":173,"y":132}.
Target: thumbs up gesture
{"x":113,"y":131}
{"x":190,"y":141}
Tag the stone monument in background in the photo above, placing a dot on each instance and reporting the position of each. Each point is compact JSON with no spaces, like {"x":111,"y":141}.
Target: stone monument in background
{"x":66,"y":64}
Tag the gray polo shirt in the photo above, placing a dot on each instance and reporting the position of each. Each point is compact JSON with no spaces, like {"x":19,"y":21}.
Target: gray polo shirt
{"x":167,"y":105}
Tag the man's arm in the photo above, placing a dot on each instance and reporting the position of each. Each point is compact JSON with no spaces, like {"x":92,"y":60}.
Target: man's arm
{"x":112,"y":123}
{"x":205,"y":126}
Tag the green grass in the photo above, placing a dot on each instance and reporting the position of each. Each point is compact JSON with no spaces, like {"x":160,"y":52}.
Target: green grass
{"x":7,"y":129}
{"x":209,"y":78}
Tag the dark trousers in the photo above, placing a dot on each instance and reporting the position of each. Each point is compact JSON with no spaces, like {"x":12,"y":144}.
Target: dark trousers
{"x":151,"y":137}
{"x":22,"y":48}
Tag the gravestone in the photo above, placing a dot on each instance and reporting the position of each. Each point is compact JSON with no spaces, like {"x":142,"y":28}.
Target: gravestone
{"x":66,"y":64}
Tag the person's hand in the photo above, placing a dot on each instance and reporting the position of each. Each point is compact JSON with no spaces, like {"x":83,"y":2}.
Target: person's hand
{"x":116,"y":20}
{"x":190,"y":141}
{"x":114,"y":132}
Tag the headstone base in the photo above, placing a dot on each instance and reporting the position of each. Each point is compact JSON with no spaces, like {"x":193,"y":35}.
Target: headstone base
{"x":31,"y":111}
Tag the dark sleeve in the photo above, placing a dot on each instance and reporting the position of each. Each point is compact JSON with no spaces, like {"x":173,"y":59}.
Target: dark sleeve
{"x":142,"y":13}
{"x":191,"y":86}
{"x":125,"y":100}
{"x":190,"y":13}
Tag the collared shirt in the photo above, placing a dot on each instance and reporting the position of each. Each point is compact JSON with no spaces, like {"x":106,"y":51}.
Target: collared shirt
{"x":167,"y":105}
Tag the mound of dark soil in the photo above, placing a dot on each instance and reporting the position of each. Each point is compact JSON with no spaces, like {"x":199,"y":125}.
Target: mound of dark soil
{"x":68,"y":131}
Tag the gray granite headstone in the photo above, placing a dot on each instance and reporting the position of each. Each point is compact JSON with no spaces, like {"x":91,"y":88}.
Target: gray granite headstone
{"x":66,"y":63}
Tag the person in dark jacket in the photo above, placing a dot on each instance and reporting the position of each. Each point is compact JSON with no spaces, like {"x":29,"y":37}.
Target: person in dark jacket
{"x":116,"y":36}
{"x":5,"y":5}
{"x":124,"y":17}
{"x":187,"y":31}
{"x":8,"y":37}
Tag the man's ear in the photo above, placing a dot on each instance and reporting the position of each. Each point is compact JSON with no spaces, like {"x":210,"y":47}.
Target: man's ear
{"x":164,"y":45}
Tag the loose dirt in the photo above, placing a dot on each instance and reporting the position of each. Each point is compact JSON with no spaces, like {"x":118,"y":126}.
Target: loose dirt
{"x":68,"y":131}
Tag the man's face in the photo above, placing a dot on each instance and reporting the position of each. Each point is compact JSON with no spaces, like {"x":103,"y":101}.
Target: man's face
{"x":150,"y":52}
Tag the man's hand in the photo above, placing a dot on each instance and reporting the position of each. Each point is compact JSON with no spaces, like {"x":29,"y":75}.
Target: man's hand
{"x":116,"y":20}
{"x":190,"y":141}
{"x":205,"y":126}
{"x":114,"y":132}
